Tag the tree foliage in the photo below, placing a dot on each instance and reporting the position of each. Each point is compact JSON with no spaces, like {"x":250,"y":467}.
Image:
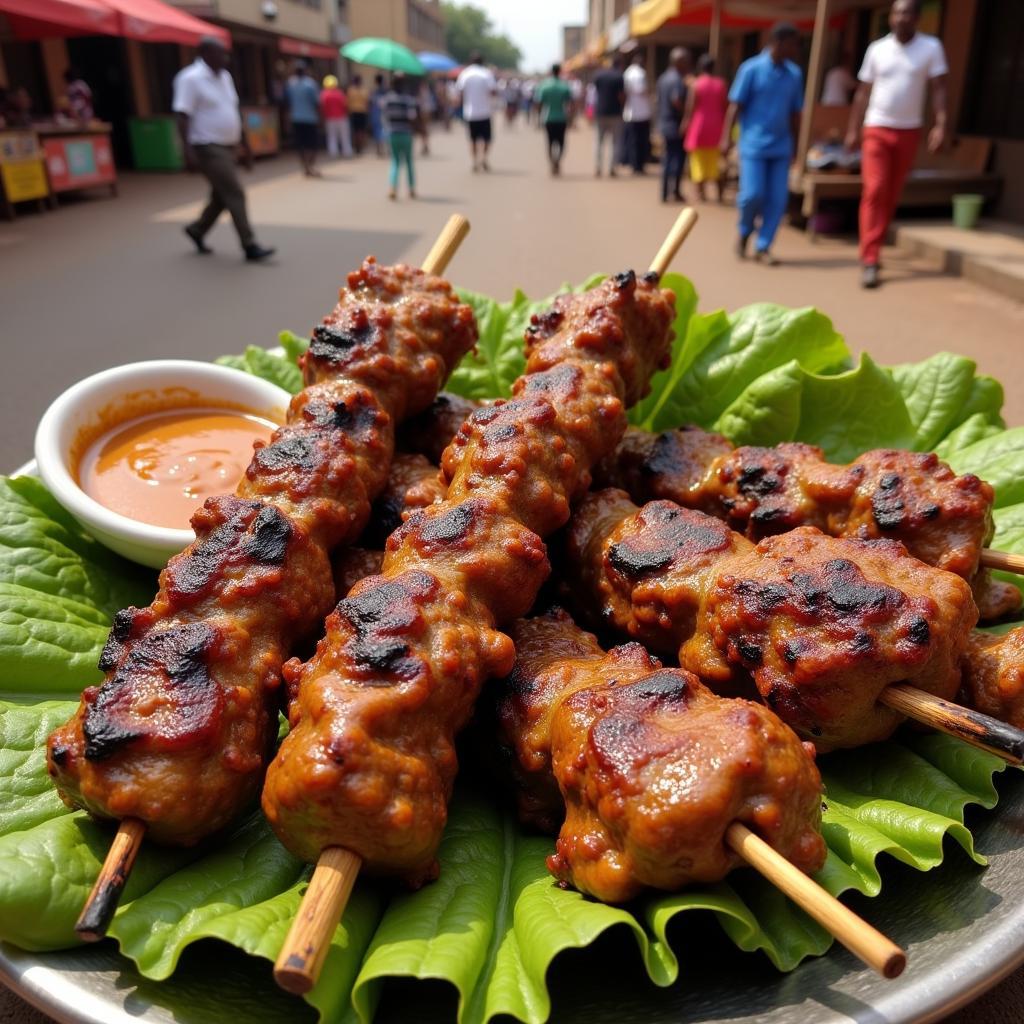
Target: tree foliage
{"x":468,"y":28}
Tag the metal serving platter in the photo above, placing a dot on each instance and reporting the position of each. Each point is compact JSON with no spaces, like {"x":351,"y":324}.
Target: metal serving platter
{"x":962,"y":925}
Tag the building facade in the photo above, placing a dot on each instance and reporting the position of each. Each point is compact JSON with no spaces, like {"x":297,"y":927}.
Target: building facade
{"x":417,"y":24}
{"x":574,"y":39}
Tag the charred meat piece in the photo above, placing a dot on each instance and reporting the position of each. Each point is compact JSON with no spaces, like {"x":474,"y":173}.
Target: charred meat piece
{"x":644,"y":572}
{"x":370,"y":760}
{"x":668,"y":465}
{"x":651,"y":768}
{"x":180,"y":730}
{"x":820,"y":625}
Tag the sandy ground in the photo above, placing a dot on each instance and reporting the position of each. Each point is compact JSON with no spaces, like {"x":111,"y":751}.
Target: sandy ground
{"x":102,"y":281}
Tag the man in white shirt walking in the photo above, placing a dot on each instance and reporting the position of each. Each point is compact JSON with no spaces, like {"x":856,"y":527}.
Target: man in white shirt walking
{"x":477,"y":87}
{"x":895,"y":77}
{"x":637,"y":114}
{"x":206,"y":105}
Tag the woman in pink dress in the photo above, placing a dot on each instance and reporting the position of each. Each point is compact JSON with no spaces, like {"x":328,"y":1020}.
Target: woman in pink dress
{"x":706,"y":101}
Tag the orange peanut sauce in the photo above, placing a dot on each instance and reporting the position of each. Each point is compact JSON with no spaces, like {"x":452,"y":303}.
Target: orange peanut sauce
{"x":159,"y":468}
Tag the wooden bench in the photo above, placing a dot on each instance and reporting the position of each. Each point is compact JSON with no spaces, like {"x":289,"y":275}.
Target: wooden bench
{"x":935,"y":179}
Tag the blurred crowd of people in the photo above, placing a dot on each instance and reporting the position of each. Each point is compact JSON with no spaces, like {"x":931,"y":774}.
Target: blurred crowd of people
{"x":697,"y":119}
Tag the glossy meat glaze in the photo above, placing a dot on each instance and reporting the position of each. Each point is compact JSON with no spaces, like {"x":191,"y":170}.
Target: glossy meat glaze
{"x":820,"y":625}
{"x":369,"y":762}
{"x":179,"y":731}
{"x":994,"y":675}
{"x":644,"y":767}
{"x":913,"y":497}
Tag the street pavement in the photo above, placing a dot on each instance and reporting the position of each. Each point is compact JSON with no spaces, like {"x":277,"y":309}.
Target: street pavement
{"x":106,"y":281}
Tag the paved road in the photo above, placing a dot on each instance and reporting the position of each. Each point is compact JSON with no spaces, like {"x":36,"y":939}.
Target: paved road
{"x":105,"y":281}
{"x":101,"y":282}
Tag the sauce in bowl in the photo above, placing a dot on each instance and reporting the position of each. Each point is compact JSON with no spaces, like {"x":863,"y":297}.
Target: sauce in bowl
{"x":159,"y":468}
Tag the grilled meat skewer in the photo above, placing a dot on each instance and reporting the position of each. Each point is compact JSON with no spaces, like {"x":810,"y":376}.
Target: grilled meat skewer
{"x":369,"y":762}
{"x":179,"y":732}
{"x":820,"y":625}
{"x":943,"y":519}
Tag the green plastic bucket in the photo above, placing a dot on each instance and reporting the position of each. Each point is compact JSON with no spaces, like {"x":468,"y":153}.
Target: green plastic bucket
{"x":967,"y":209}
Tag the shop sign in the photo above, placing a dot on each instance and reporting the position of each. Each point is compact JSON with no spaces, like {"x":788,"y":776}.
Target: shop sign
{"x":618,"y":33}
{"x":79,"y":161}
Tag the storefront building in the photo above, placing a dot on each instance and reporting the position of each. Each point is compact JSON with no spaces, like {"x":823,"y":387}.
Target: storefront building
{"x":131,"y":79}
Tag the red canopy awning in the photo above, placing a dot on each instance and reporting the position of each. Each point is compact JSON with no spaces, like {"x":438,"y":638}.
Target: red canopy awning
{"x":302,"y":48}
{"x":36,"y":19}
{"x":149,"y":21}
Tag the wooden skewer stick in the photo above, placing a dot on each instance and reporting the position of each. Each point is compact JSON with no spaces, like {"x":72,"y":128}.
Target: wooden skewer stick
{"x":305,"y":947}
{"x":860,"y":938}
{"x":673,"y":240}
{"x":441,"y":252}
{"x":339,"y":866}
{"x":1001,"y":560}
{"x":99,"y":908}
{"x":302,"y":956}
{"x":982,"y":731}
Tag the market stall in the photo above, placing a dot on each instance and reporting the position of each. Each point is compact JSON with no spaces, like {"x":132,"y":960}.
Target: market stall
{"x":78,"y":157}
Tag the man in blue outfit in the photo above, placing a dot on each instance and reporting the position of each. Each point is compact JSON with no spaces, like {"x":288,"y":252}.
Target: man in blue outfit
{"x":767,"y":94}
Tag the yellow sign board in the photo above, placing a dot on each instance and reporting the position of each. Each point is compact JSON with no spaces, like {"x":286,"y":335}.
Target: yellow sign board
{"x":24,"y":179}
{"x":22,"y":170}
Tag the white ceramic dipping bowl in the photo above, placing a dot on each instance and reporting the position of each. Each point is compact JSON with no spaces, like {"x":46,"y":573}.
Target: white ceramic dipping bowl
{"x":120,"y":394}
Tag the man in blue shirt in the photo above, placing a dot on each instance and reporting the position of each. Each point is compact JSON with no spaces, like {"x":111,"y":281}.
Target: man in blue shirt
{"x":303,"y":98}
{"x":768,"y":97}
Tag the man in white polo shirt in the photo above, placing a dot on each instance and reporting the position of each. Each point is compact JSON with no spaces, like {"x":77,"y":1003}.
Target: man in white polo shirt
{"x":895,"y":77}
{"x":477,"y":87}
{"x":206,"y":105}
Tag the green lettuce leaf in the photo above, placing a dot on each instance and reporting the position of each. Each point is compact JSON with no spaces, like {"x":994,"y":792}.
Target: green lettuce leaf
{"x":59,"y":590}
{"x":27,"y":796}
{"x":845,"y":413}
{"x":293,"y":344}
{"x":491,"y":368}
{"x":47,"y":871}
{"x":941,"y":392}
{"x":722,"y":357}
{"x":996,"y":459}
{"x":280,"y":370}
{"x":43,"y":549}
{"x":245,"y":893}
{"x":973,"y":429}
{"x":49,"y":644}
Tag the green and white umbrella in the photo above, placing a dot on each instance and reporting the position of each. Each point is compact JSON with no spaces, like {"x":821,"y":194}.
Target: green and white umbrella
{"x":383,"y":53}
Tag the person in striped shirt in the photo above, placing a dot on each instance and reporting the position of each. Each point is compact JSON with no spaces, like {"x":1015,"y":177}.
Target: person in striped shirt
{"x":402,"y":119}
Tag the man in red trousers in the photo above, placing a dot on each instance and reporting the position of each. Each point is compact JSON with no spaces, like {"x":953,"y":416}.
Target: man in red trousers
{"x":897,"y":72}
